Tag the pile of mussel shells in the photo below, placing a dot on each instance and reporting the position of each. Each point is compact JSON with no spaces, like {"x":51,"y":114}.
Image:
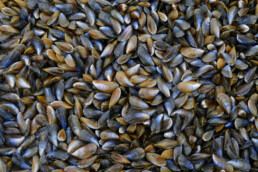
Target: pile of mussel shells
{"x":128,"y":85}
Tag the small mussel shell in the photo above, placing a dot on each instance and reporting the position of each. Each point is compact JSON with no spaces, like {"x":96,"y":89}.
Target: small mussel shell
{"x":184,"y":162}
{"x":242,"y":39}
{"x":66,"y":47}
{"x":191,"y":52}
{"x":135,"y":154}
{"x":148,"y":93}
{"x":122,"y":79}
{"x":166,"y":144}
{"x":240,"y":164}
{"x":120,"y":159}
{"x":222,"y":164}
{"x":188,"y":86}
{"x":115,"y":97}
{"x":8,"y":29}
{"x":87,"y":161}
{"x":224,"y":101}
{"x":156,"y":159}
{"x":126,"y":34}
{"x":136,"y":116}
{"x":137,"y":103}
{"x":85,"y":151}
{"x":105,"y":86}
{"x":252,"y":104}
